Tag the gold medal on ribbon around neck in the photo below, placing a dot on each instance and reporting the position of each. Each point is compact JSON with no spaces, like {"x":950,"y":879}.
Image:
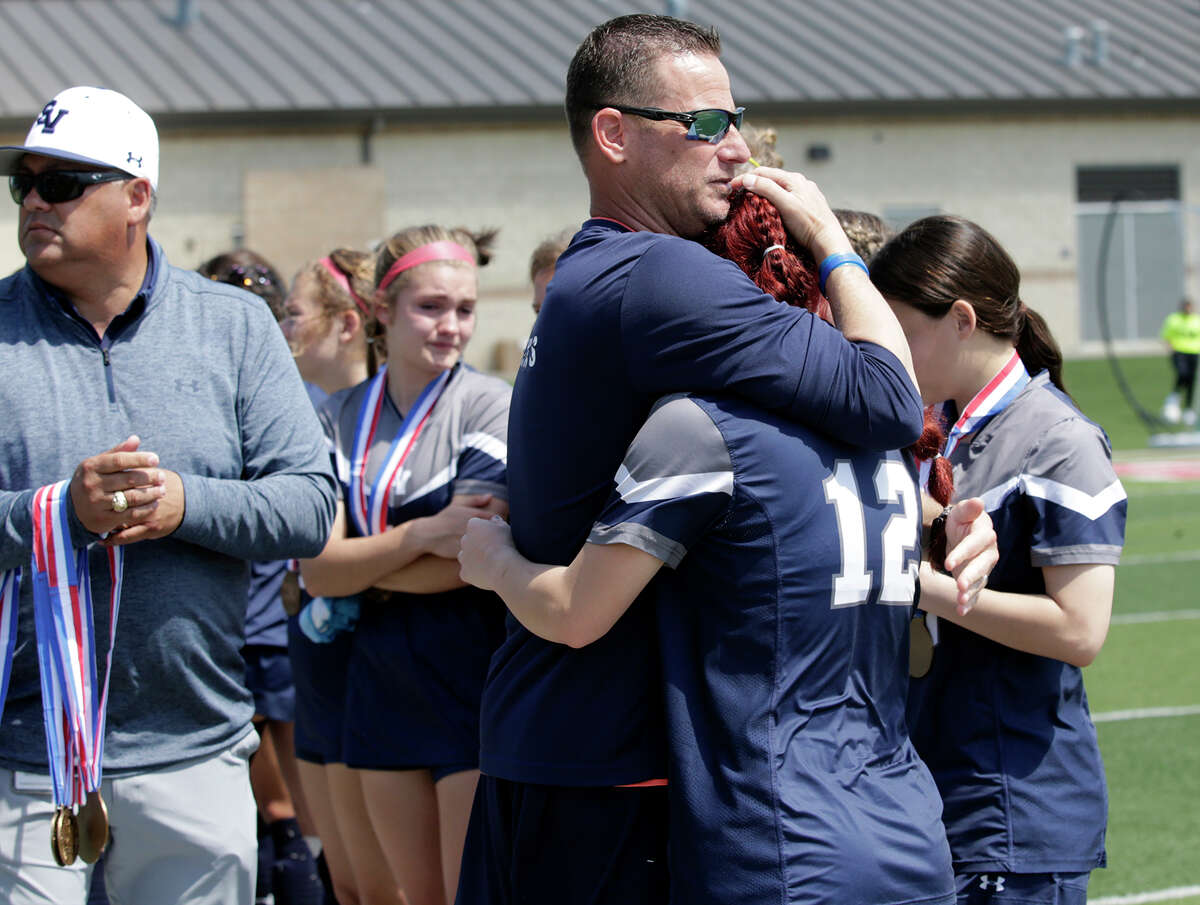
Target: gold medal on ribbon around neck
{"x":289,"y":593}
{"x":64,"y":837}
{"x":93,"y":827}
{"x":920,"y":648}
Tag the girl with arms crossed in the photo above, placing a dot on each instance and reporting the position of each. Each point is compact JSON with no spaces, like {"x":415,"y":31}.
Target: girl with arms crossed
{"x":419,"y":449}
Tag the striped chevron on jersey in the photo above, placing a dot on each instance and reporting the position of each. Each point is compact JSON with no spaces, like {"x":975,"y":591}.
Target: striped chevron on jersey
{"x":1090,"y":506}
{"x":673,"y":487}
{"x":487,"y":444}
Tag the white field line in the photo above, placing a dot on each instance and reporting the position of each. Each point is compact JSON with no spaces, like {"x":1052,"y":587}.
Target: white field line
{"x":1145,"y":713}
{"x":1155,"y":559}
{"x":1163,"y":616}
{"x":1161,"y":895}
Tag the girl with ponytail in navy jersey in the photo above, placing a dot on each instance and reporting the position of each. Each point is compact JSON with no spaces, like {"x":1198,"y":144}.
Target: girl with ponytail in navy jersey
{"x":783,"y":631}
{"x":1002,"y":717}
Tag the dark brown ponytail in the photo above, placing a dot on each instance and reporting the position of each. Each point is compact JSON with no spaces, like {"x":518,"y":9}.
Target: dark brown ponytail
{"x":1038,"y":348}
{"x":937,"y":260}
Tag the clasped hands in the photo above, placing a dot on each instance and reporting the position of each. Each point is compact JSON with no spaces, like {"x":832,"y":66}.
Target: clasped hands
{"x":153,"y":496}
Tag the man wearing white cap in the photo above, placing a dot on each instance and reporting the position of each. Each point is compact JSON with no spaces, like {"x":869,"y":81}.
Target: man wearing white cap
{"x":160,"y":415}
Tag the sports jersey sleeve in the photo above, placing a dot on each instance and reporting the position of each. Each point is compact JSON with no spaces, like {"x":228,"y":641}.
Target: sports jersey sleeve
{"x":692,"y":321}
{"x":1076,"y":496}
{"x":675,"y":482}
{"x":483,"y":461}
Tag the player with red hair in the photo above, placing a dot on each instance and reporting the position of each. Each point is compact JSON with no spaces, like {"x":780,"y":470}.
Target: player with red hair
{"x":754,"y":238}
{"x":783,"y":630}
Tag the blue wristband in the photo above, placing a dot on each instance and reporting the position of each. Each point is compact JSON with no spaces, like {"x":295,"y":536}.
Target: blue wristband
{"x":833,"y":262}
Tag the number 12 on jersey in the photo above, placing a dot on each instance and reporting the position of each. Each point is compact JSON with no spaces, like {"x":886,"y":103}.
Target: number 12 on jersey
{"x":898,"y":538}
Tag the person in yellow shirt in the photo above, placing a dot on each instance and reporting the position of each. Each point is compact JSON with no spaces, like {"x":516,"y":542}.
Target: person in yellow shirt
{"x":1181,"y":330}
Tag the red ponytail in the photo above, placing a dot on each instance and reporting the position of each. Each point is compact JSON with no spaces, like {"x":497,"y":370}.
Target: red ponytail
{"x":789,"y":273}
{"x":786,"y":271}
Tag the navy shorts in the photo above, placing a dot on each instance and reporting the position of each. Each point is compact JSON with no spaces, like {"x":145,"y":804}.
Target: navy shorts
{"x":416,"y":678}
{"x":269,"y":678}
{"x":1022,"y":889}
{"x":319,"y":674}
{"x":558,"y":845}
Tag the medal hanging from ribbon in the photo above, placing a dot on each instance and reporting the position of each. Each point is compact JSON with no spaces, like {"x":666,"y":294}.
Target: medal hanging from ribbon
{"x":368,"y":506}
{"x":73,"y":713}
{"x":10,"y":596}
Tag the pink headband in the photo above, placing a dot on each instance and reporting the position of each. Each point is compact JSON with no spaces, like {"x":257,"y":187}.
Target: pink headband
{"x":434,"y":251}
{"x":342,"y":281}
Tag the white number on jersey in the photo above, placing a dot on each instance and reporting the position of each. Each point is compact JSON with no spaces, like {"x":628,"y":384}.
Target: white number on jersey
{"x":893,"y":484}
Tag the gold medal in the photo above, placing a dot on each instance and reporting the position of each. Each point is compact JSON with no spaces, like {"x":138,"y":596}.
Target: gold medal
{"x":289,"y":593}
{"x":64,"y":837}
{"x":920,"y":648}
{"x":93,"y":827}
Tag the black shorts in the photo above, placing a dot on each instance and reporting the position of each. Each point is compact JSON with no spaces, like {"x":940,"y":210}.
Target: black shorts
{"x":269,"y":678}
{"x":557,"y":845}
{"x":319,"y":674}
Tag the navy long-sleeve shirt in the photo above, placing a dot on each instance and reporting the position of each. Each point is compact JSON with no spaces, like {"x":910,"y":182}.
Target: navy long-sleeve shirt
{"x":629,"y":317}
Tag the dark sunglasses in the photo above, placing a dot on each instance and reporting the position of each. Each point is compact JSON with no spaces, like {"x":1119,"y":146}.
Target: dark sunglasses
{"x":254,"y":275}
{"x":57,"y":186}
{"x":703,"y":125}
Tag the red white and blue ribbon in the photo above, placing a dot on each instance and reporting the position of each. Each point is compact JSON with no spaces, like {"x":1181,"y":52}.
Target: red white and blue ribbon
{"x":10,"y":596}
{"x":62,"y":603}
{"x":116,"y":571}
{"x":368,"y":505}
{"x":990,"y":401}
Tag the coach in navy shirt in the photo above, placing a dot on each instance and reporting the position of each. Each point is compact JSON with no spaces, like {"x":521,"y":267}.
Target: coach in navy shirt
{"x":571,"y":806}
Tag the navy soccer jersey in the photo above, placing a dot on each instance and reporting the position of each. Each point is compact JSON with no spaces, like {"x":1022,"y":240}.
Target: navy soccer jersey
{"x":783,"y":629}
{"x":1007,"y":734}
{"x":629,"y":317}
{"x":418,"y":661}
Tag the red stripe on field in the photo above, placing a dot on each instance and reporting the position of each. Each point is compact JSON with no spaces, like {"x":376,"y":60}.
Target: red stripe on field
{"x":1160,"y":470}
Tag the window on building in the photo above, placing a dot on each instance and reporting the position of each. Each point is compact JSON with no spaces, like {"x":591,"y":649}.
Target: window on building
{"x":1131,"y":249}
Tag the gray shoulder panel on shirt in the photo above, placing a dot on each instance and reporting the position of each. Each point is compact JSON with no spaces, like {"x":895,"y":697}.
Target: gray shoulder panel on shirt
{"x":678,"y":438}
{"x":1039,"y":436}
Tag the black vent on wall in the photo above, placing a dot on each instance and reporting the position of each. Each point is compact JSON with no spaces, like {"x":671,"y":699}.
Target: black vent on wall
{"x":1130,"y":183}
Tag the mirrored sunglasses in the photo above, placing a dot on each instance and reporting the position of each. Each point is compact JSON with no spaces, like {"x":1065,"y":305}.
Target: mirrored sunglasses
{"x":57,"y":186}
{"x":703,"y":125}
{"x":254,"y":275}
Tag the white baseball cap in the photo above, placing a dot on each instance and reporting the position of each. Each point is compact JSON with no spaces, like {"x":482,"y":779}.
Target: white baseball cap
{"x":92,"y":125}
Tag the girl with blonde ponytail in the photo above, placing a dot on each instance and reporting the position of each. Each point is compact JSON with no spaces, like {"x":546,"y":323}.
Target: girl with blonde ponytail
{"x":419,"y":448}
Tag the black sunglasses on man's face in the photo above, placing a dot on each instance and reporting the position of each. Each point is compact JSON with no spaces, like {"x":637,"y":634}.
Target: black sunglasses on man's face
{"x":57,"y":186}
{"x":703,"y":125}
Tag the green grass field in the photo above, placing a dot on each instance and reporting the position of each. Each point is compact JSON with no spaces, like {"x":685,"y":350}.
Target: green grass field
{"x":1153,"y":763}
{"x":1095,"y":388}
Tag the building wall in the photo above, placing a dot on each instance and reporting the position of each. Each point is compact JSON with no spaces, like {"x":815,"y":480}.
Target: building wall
{"x":1014,"y":175}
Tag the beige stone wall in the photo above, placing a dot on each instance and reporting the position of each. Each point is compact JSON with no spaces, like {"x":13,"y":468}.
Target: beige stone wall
{"x":1014,"y":175}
